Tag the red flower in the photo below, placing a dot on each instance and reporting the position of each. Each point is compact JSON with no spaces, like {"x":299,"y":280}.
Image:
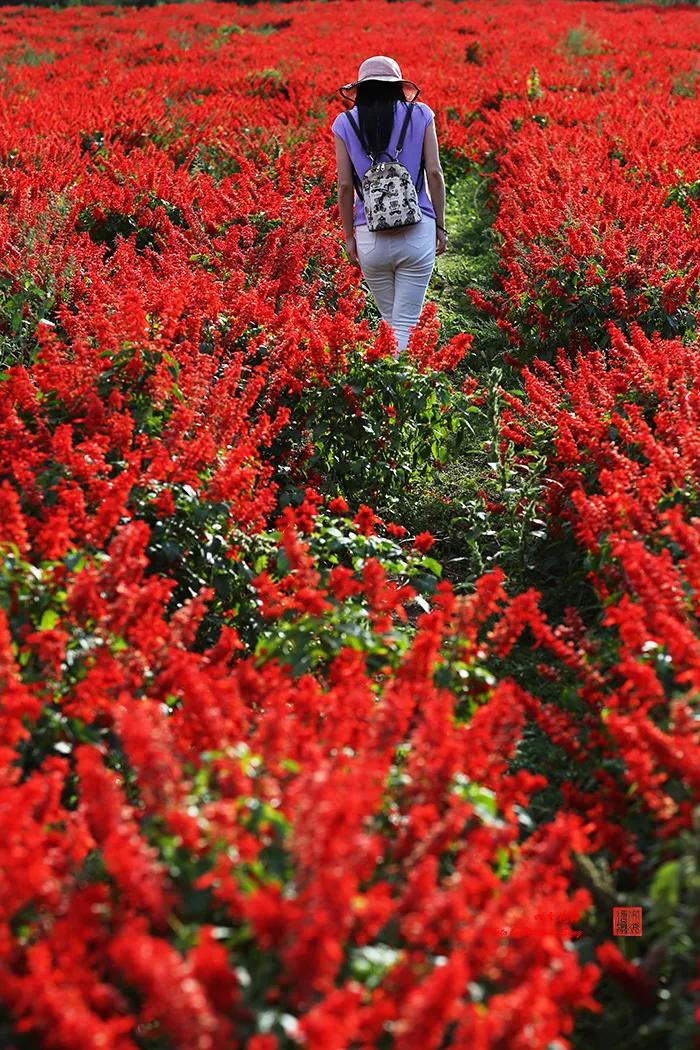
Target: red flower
{"x":50,"y":647}
{"x":627,"y":974}
{"x":338,"y":506}
{"x":164,"y":504}
{"x":342,"y":584}
{"x":12,"y":525}
{"x":366,"y":520}
{"x":423,"y":542}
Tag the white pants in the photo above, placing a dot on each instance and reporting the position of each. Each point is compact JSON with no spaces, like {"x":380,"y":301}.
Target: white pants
{"x":397,"y":265}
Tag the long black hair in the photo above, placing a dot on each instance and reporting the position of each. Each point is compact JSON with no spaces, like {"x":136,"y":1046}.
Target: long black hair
{"x":376,"y":105}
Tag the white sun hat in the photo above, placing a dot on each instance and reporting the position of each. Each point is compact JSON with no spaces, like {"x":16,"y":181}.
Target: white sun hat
{"x":379,"y":67}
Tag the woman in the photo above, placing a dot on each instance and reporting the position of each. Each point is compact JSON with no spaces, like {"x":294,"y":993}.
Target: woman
{"x":396,"y":263}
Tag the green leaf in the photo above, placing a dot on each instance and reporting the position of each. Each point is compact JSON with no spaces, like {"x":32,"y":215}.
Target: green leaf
{"x":665,"y":885}
{"x":424,"y":584}
{"x":432,"y":566}
{"x":48,"y":620}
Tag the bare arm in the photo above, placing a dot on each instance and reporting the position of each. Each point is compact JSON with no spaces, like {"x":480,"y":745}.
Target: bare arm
{"x":435,"y":179}
{"x":346,"y":197}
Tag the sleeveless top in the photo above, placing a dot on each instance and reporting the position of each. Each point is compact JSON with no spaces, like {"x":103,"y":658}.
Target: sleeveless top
{"x":410,"y":156}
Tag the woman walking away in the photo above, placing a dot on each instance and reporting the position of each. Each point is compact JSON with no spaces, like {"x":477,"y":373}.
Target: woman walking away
{"x":386,"y":151}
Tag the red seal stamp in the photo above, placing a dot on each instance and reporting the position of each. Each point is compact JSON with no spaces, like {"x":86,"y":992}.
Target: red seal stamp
{"x":627,"y":922}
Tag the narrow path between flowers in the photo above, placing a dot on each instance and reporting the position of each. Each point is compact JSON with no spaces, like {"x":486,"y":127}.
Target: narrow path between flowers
{"x":458,"y":507}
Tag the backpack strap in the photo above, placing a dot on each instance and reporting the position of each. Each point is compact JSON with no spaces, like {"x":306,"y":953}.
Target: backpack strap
{"x":356,"y":129}
{"x":399,"y":146}
{"x":358,"y":184}
{"x":359,"y":134}
{"x":402,"y":136}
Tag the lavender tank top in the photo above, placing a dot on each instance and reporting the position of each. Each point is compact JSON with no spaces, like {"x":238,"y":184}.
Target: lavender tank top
{"x":410,"y":156}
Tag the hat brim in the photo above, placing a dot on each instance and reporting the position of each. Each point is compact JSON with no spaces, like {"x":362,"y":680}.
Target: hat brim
{"x":410,"y":90}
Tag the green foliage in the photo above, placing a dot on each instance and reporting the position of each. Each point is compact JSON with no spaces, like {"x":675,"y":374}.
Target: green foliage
{"x":581,"y":41}
{"x":685,"y":83}
{"x":684,"y":194}
{"x":28,"y":297}
{"x":149,"y":416}
{"x":106,"y":227}
{"x":224,"y":33}
{"x":486,"y":508}
{"x":309,"y":642}
{"x":267,"y":83}
{"x":669,"y":895}
{"x":534,"y":90}
{"x":192,"y":547}
{"x":474,"y":53}
{"x":271,"y":27}
{"x":577,"y":314}
{"x":372,"y":433}
{"x":469,"y":261}
{"x":25,"y":301}
{"x":25,"y":55}
{"x":672,"y":931}
{"x":34,"y":602}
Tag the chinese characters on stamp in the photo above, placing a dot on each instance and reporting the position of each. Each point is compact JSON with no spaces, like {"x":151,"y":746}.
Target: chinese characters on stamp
{"x":627,"y":922}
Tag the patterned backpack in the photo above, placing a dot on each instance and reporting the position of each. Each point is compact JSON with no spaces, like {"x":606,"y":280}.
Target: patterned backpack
{"x":387,"y":191}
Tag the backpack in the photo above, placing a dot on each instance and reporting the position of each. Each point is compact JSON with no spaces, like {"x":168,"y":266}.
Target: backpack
{"x":387,"y":191}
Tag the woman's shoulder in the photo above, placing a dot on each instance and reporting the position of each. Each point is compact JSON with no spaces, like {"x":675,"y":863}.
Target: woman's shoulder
{"x":341,"y":120}
{"x":423,"y":108}
{"x":428,"y":113}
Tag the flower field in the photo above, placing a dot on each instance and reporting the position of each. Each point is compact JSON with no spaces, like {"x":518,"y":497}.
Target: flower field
{"x":343,"y":697}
